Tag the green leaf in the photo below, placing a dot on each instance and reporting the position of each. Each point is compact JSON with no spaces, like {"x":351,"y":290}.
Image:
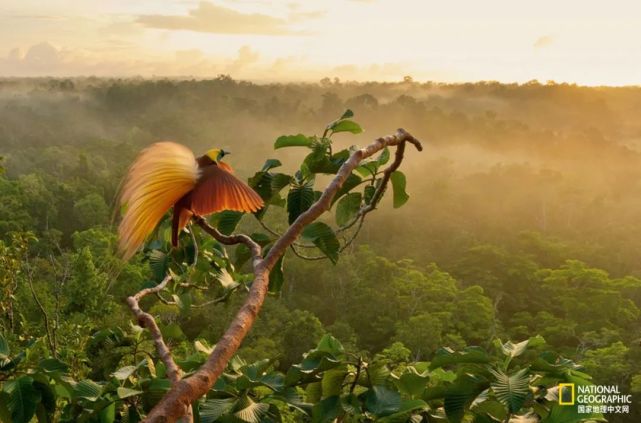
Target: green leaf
{"x":261,"y":182}
{"x":276,"y":276}
{"x":570,"y":414}
{"x":348,"y":114}
{"x":324,"y":238}
{"x":299,"y":140}
{"x":348,"y":208}
{"x":159,"y":263}
{"x":445,"y":356}
{"x":5,"y":414}
{"x":367,"y":169}
{"x":52,"y":365}
{"x":382,"y":401}
{"x":173,"y":331}
{"x":511,"y":390}
{"x":326,"y":410}
{"x":331,"y":345}
{"x":398,"y":185}
{"x":271,"y":164}
{"x":460,"y":395}
{"x":405,"y":410}
{"x":383,"y":157}
{"x":350,"y":183}
{"x":124,"y":372}
{"x":250,"y":411}
{"x":279,"y":181}
{"x":346,"y":126}
{"x":24,"y":399}
{"x":332,"y":381}
{"x":203,"y":346}
{"x":369,"y":194}
{"x":228,"y":220}
{"x":212,"y":409}
{"x":88,"y":390}
{"x":514,"y":350}
{"x":108,"y":414}
{"x":127,"y":392}
{"x":412,"y":382}
{"x":299,"y":199}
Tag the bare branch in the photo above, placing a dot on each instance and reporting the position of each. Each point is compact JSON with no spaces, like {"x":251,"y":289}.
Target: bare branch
{"x":146,"y":320}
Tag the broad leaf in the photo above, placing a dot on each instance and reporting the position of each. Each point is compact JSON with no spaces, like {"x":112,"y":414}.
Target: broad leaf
{"x":324,"y":238}
{"x":228,"y":220}
{"x":347,"y":114}
{"x":511,"y":390}
{"x":127,"y":392}
{"x":124,"y":372}
{"x":159,"y":263}
{"x":326,"y":410}
{"x":398,"y":186}
{"x":382,"y":401}
{"x":212,"y":409}
{"x":514,"y":350}
{"x":299,"y":140}
{"x":460,"y":395}
{"x":348,"y":208}
{"x":250,"y":411}
{"x":5,"y":414}
{"x":271,"y":164}
{"x":445,"y":356}
{"x":350,"y":183}
{"x":24,"y":399}
{"x":88,"y":390}
{"x":299,"y":199}
{"x":52,"y":365}
{"x":346,"y":126}
{"x":384,"y":157}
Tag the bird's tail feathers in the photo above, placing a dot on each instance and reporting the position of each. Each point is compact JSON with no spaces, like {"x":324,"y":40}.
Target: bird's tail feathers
{"x":160,"y":176}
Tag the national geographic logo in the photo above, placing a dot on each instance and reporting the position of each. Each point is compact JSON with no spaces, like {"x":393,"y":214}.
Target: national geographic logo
{"x":566,"y":394}
{"x":604,"y":399}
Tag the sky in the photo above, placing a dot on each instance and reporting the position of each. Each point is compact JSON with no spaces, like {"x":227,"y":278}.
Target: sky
{"x":579,"y":41}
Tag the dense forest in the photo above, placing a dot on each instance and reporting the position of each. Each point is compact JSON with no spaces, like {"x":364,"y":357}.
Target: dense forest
{"x":523,"y":223}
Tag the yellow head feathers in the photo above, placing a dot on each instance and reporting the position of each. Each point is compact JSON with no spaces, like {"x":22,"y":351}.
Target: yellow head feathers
{"x":216,"y":154}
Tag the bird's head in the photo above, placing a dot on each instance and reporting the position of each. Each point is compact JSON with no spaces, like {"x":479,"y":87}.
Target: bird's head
{"x":216,"y":154}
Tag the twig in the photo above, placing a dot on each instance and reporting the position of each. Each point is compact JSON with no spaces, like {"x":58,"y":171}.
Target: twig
{"x":146,"y":320}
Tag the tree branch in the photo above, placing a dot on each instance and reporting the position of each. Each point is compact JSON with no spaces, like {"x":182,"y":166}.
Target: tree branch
{"x":146,"y":320}
{"x":177,"y":401}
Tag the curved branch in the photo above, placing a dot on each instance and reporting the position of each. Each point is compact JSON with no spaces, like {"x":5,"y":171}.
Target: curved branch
{"x":146,"y":320}
{"x":177,"y":401}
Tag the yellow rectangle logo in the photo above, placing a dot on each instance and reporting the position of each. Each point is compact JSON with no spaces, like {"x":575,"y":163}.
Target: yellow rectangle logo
{"x":566,"y":393}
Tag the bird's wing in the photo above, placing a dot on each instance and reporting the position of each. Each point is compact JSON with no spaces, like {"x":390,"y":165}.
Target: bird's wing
{"x":161,"y":175}
{"x":217,"y":190}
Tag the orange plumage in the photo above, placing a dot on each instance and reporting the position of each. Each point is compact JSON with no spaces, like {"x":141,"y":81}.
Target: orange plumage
{"x":167,"y":175}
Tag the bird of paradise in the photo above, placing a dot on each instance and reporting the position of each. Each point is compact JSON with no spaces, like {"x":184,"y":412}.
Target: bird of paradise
{"x":167,"y":175}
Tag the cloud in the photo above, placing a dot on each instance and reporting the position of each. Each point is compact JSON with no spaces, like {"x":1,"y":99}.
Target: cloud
{"x":246,"y":57}
{"x":211,"y":18}
{"x":45,"y":59}
{"x":544,"y":41}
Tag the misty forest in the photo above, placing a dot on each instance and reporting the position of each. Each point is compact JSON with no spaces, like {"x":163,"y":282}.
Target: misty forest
{"x":502,"y":259}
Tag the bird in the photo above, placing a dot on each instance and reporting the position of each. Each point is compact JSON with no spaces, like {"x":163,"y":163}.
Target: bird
{"x":167,"y":175}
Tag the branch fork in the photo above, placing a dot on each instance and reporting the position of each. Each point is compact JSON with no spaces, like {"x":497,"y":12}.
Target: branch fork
{"x":176,"y":404}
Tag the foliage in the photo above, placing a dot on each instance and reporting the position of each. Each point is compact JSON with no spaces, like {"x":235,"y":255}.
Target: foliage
{"x":490,"y":246}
